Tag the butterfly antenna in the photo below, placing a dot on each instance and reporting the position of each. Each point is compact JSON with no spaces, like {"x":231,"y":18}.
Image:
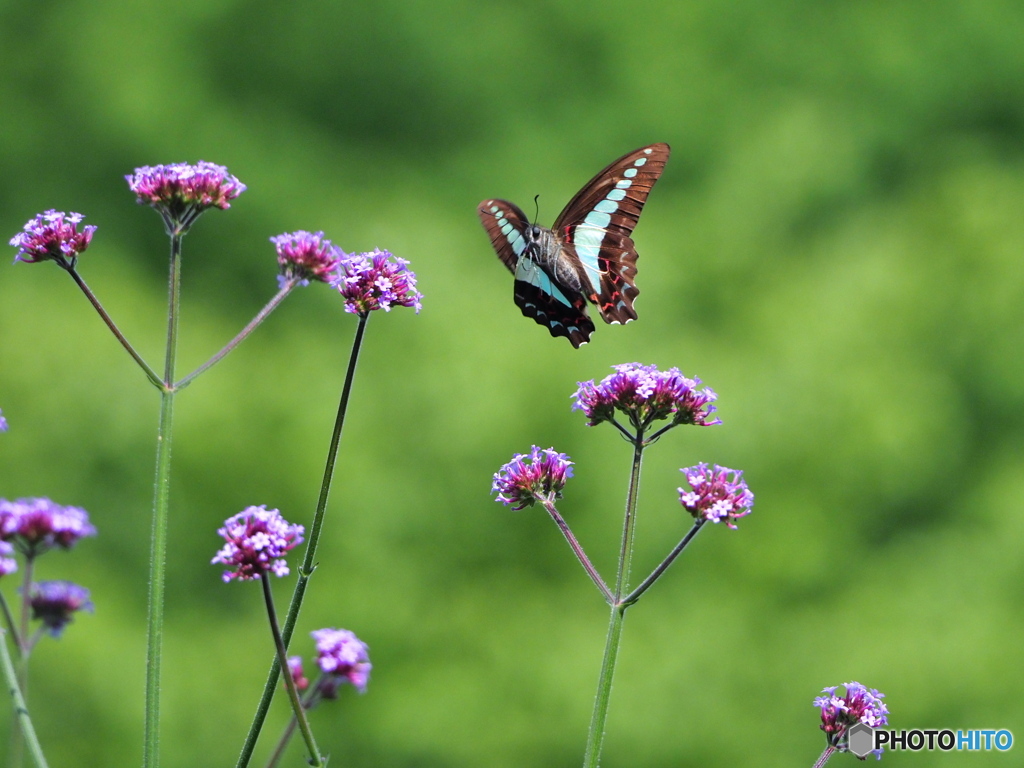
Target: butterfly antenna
{"x":536,"y":209}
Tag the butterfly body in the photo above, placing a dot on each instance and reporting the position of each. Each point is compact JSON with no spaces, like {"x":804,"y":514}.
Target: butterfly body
{"x":588,"y":256}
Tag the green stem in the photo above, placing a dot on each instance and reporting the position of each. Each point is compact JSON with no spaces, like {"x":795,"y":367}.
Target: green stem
{"x":253,"y":324}
{"x":20,"y":706}
{"x":161,"y":507}
{"x":823,"y":758}
{"x":577,"y":549}
{"x":633,"y":596}
{"x":309,"y":561}
{"x":595,"y":738}
{"x":289,"y":682}
{"x":150,"y":373}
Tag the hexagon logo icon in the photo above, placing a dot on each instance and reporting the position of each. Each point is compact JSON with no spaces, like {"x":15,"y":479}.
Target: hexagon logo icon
{"x":861,"y":740}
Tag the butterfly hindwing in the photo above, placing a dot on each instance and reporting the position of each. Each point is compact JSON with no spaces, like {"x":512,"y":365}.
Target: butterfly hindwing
{"x":598,"y":222}
{"x":561,"y":310}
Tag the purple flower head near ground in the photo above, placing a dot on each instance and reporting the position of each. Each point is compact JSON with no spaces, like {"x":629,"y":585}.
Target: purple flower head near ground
{"x":376,"y":280}
{"x":298,"y":676}
{"x":3,"y":422}
{"x":8,"y":564}
{"x":718,"y":494}
{"x":342,"y":657}
{"x":859,"y":705}
{"x":53,"y":236}
{"x":257,"y":541}
{"x":56,"y":602}
{"x":36,"y":525}
{"x":306,"y":256}
{"x":180,"y":192}
{"x":539,"y":476}
{"x":645,"y":394}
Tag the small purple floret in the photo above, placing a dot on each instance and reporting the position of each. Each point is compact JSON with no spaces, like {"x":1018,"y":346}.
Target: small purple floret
{"x":645,"y":394}
{"x":718,"y":494}
{"x":528,"y":478}
{"x":298,"y":676}
{"x":342,"y":657}
{"x":53,"y":236}
{"x":257,"y":541}
{"x":36,"y":525}
{"x":376,"y":280}
{"x":859,"y":705}
{"x":8,"y":564}
{"x":3,"y":422}
{"x":306,"y":256}
{"x":56,"y":602}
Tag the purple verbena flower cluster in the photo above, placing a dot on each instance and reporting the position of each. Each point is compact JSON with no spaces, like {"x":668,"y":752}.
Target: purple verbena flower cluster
{"x":645,"y":394}
{"x":376,"y":280}
{"x":36,"y":525}
{"x":180,"y":192}
{"x":539,"y":476}
{"x":342,"y":657}
{"x":56,"y":602}
{"x":306,"y":256}
{"x":257,"y":541}
{"x":53,"y":236}
{"x":717,"y":494}
{"x":859,"y":705}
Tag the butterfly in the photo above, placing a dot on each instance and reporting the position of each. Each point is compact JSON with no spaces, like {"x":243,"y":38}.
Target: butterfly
{"x":587,"y":256}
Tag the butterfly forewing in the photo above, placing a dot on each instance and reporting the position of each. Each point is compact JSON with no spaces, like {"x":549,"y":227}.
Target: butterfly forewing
{"x":598,"y":222}
{"x":506,"y":226}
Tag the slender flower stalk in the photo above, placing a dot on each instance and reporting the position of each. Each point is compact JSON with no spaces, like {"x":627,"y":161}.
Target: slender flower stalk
{"x":309,"y":561}
{"x":21,"y":712}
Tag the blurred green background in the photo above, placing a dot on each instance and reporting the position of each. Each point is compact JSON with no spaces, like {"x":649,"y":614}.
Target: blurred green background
{"x":835,"y":247}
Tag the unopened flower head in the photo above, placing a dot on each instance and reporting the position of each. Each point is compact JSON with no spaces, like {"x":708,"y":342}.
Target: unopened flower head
{"x":8,"y":564}
{"x":56,"y":602}
{"x":858,"y":705}
{"x":257,"y":541}
{"x":180,"y":192}
{"x":718,"y":494}
{"x":306,"y":256}
{"x":645,"y":394}
{"x":528,"y":478}
{"x":342,"y":657}
{"x":53,"y":236}
{"x":36,"y":525}
{"x":298,"y":676}
{"x":376,"y":280}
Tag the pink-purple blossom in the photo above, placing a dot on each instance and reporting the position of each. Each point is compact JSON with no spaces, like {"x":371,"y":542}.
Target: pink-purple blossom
{"x":257,"y":541}
{"x":53,"y":236}
{"x":342,"y":657}
{"x":306,"y":256}
{"x":180,"y":192}
{"x":528,"y":478}
{"x":644,"y":395}
{"x":56,"y":602}
{"x":298,"y":676}
{"x":35,"y":525}
{"x":719,"y":494}
{"x":376,"y":280}
{"x":3,"y":422}
{"x":858,"y":705}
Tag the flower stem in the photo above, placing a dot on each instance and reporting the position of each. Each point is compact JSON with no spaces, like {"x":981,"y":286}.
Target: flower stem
{"x":656,"y":573}
{"x":161,"y":508}
{"x":150,"y":373}
{"x":595,"y":738}
{"x":21,"y":715}
{"x":289,"y":682}
{"x":577,"y":548}
{"x":253,"y":324}
{"x":309,"y":561}
{"x":829,"y":751}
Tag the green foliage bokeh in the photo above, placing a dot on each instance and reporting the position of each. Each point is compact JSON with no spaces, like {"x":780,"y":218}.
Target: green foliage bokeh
{"x":835,"y":247}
